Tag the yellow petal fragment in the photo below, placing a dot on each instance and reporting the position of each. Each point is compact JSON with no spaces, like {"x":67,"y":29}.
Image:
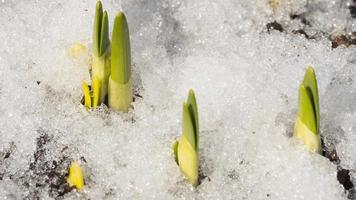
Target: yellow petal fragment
{"x":86,"y":92}
{"x":311,"y":140}
{"x":273,"y":4}
{"x":77,"y":50}
{"x":188,"y":161}
{"x":75,"y":177}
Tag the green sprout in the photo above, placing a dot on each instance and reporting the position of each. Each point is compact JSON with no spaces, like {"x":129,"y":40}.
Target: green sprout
{"x":101,"y":53}
{"x":186,"y":149}
{"x":120,"y":85}
{"x":111,"y":67}
{"x":307,"y":125}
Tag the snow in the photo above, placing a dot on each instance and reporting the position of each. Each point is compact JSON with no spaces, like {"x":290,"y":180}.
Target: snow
{"x":246,"y":82}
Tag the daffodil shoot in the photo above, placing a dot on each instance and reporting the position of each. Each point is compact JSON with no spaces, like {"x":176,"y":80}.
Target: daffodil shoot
{"x":120,"y":84}
{"x":111,"y":64}
{"x":100,"y":54}
{"x":186,"y":149}
{"x":306,"y":127}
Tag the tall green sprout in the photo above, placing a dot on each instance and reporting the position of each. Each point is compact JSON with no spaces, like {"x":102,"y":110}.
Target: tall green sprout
{"x":101,"y":54}
{"x":120,"y":84}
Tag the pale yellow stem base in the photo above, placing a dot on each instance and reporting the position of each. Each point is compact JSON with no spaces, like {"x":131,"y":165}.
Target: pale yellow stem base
{"x":120,"y":95}
{"x":311,"y":140}
{"x":188,"y":161}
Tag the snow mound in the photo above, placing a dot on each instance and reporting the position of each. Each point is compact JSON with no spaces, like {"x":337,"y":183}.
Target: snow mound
{"x":246,"y":81}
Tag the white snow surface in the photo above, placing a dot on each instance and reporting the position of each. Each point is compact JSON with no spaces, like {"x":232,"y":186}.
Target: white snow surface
{"x":246,"y":82}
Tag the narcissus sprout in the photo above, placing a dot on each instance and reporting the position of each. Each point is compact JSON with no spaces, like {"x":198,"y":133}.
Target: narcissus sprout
{"x":101,"y":55}
{"x":111,"y":67}
{"x":186,"y":149}
{"x":120,"y":85}
{"x":75,"y":176}
{"x":307,"y":125}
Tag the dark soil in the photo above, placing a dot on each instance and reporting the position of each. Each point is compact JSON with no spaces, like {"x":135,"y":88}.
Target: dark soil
{"x":274,"y":26}
{"x":46,"y":172}
{"x":343,"y":175}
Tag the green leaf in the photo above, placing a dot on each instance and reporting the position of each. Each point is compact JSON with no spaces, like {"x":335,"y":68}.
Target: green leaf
{"x":97,"y":28}
{"x":175,"y":150}
{"x":311,"y":84}
{"x":120,"y":50}
{"x":305,"y":108}
{"x":188,"y":126}
{"x":104,"y":34}
{"x":193,"y":110}
{"x":101,"y":31}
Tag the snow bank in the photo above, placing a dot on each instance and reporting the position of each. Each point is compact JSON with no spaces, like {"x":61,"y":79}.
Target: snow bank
{"x":246,"y":82}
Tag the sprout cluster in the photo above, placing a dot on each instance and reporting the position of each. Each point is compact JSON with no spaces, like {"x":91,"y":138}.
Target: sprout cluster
{"x":111,"y":83}
{"x":111,"y":64}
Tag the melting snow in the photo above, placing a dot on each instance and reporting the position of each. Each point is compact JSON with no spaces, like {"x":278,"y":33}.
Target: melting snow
{"x":246,"y":81}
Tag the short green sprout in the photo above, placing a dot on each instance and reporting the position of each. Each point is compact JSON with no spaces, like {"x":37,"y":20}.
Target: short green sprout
{"x":186,"y":149}
{"x":307,"y":125}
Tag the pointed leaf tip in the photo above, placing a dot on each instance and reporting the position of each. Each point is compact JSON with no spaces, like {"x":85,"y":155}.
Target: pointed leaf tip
{"x":120,"y":15}
{"x":311,"y":69}
{"x":193,"y":109}
{"x":101,"y":31}
{"x":97,"y":28}
{"x":311,"y":84}
{"x":104,"y":34}
{"x":99,"y":6}
{"x":191,"y":93}
{"x":120,"y":50}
